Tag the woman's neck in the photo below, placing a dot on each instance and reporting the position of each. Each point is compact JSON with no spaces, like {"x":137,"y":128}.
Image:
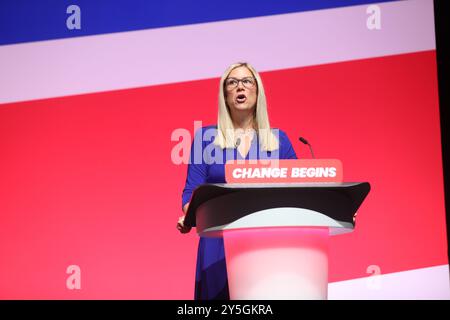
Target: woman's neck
{"x":244,"y":122}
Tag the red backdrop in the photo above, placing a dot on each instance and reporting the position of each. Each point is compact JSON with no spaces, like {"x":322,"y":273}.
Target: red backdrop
{"x":88,"y":180}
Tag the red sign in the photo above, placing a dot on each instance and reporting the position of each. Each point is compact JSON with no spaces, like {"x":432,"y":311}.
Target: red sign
{"x":284,"y":171}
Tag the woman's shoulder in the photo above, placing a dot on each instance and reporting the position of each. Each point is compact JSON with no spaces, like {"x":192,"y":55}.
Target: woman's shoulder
{"x":286,"y":148}
{"x":280,"y":133}
{"x":210,"y":127}
{"x":205,"y":128}
{"x":205,"y":133}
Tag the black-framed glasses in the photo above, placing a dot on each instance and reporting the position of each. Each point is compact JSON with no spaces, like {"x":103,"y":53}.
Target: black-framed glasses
{"x":231,"y":83}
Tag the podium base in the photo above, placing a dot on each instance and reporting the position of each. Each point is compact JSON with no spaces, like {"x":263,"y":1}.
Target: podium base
{"x":277,"y":263}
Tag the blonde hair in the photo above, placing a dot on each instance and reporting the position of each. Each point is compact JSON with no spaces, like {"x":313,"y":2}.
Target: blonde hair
{"x":225,"y":137}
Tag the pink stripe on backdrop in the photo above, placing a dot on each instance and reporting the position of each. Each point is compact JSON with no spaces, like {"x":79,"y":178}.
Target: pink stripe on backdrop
{"x":142,"y":58}
{"x":419,"y":284}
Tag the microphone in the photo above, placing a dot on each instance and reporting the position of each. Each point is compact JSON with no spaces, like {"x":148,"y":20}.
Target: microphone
{"x":303,"y":140}
{"x":237,"y":143}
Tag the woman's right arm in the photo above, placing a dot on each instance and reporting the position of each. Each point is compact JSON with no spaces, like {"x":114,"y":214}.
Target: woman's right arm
{"x":185,"y":208}
{"x":196,"y":175}
{"x":180,"y":225}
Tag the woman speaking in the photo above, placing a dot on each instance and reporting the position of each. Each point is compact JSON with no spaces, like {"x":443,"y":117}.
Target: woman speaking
{"x":243,"y":132}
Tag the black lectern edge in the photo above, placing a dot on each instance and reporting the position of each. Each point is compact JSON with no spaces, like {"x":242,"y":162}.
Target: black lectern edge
{"x":221,"y":189}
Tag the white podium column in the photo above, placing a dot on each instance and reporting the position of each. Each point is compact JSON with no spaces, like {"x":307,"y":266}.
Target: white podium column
{"x":277,"y":262}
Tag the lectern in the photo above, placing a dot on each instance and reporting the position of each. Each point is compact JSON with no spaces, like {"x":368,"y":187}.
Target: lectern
{"x":276,"y":235}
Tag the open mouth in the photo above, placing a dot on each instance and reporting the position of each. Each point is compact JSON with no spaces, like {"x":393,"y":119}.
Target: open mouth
{"x":241,"y":98}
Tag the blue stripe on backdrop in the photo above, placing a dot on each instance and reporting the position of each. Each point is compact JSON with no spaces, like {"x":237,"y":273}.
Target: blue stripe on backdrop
{"x":31,"y":20}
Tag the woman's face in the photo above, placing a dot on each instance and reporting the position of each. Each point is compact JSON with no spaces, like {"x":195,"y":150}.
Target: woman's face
{"x":241,"y":90}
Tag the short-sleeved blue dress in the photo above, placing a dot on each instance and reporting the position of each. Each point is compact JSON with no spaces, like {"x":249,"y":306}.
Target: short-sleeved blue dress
{"x":206,"y":165}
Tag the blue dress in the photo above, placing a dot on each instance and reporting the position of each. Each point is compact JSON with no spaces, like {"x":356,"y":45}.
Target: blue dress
{"x":206,"y":165}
